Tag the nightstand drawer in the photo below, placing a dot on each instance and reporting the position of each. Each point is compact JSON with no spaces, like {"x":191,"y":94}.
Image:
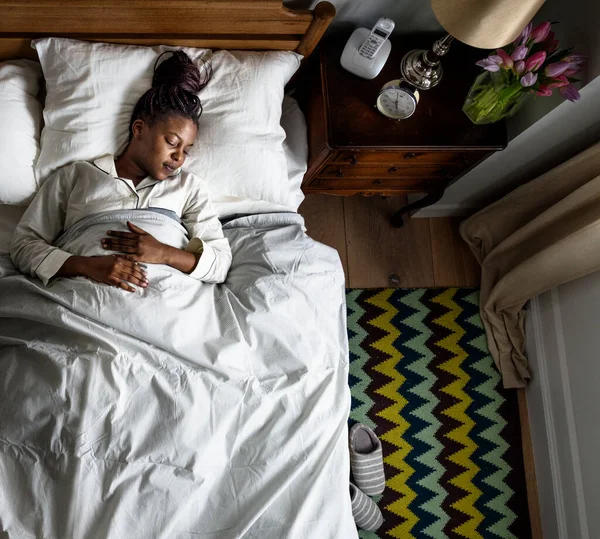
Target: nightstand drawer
{"x":363,"y":184}
{"x":365,"y":157}
{"x":401,"y":171}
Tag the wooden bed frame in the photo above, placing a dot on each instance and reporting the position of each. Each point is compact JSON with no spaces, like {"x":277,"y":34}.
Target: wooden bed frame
{"x":216,"y":24}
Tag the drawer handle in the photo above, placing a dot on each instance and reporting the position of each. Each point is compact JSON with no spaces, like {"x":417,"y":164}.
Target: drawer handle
{"x":409,"y":155}
{"x":352,"y":160}
{"x":393,"y":169}
{"x":377,"y":182}
{"x":339,"y":173}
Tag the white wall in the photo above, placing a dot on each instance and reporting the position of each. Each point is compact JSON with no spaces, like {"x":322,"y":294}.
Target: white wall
{"x":546,"y":131}
{"x":563,"y":344}
{"x":562,"y":133}
{"x":410,"y":16}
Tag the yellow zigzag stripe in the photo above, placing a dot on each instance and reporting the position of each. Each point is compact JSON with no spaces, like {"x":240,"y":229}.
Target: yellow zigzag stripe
{"x":458,"y":412}
{"x":394,"y":436}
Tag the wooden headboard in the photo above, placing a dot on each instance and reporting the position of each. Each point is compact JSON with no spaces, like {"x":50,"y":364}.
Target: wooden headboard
{"x":216,"y":24}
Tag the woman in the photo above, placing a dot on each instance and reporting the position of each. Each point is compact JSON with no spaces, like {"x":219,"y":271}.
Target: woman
{"x":146,"y":176}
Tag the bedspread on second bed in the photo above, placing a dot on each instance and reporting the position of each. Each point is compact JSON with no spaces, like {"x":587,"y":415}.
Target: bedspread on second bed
{"x":185,"y":409}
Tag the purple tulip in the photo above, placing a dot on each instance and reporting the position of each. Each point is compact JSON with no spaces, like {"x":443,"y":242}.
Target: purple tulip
{"x":519,"y":67}
{"x":570,"y":92}
{"x":489,"y":64}
{"x":524,"y":36}
{"x":507,"y":61}
{"x":556,"y":69}
{"x":520,"y":53}
{"x":540,"y":32}
{"x":576,"y":61}
{"x":529,"y":79}
{"x":534,"y":62}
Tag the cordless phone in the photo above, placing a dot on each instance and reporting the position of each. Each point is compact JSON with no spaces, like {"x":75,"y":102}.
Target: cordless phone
{"x":367,"y":50}
{"x":379,"y":34}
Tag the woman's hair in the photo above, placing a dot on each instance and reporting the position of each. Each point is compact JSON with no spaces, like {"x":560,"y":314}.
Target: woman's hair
{"x":175,"y":83}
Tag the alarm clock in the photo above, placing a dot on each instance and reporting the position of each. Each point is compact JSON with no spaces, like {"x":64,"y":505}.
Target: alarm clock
{"x":397,"y":99}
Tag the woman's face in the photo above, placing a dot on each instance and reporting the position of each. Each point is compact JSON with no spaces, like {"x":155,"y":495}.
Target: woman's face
{"x":161,"y":148}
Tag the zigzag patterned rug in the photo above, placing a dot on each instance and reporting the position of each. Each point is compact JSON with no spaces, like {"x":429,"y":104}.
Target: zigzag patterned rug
{"x":421,"y":376}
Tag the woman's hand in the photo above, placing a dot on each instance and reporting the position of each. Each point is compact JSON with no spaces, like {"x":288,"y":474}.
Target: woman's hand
{"x":115,"y":270}
{"x":137,"y":244}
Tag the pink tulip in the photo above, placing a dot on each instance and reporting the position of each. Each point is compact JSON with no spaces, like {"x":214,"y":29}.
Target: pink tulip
{"x":557,"y":68}
{"x":540,"y":32}
{"x":571,"y":72}
{"x":552,"y":43}
{"x":529,"y":79}
{"x":543,"y":91}
{"x":524,"y":36}
{"x":519,"y":53}
{"x":570,"y":92}
{"x":559,"y":82}
{"x":534,"y":62}
{"x":519,"y":67}
{"x":507,"y":61}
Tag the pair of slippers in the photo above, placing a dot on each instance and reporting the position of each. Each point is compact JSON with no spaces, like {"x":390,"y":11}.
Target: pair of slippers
{"x":366,"y":463}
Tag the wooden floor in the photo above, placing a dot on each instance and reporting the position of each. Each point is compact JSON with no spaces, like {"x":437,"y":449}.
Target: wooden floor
{"x":423,"y":253}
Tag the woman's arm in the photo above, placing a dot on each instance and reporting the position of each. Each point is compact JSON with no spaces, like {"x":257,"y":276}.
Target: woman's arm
{"x":206,"y":239}
{"x":207,"y":256}
{"x":31,"y":248}
{"x":140,"y":246}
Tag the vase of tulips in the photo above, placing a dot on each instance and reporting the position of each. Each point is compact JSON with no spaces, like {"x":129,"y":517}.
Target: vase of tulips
{"x":531,"y":65}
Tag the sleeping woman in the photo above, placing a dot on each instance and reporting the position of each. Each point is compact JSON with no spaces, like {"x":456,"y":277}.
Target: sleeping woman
{"x":147,"y":175}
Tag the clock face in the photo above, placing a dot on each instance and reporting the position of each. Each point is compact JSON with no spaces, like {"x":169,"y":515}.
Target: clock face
{"x":396,"y":103}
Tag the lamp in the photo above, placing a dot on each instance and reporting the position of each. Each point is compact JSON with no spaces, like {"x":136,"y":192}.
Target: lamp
{"x":485,"y":24}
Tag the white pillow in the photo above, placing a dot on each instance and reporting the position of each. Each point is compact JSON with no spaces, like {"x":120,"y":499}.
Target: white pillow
{"x":91,"y":90}
{"x":93,"y":87}
{"x":20,"y":118}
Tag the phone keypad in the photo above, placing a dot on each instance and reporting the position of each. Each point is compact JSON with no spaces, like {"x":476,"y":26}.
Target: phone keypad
{"x":370,"y":47}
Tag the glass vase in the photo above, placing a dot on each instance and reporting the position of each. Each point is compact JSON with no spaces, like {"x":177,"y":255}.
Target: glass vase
{"x":493,"y":97}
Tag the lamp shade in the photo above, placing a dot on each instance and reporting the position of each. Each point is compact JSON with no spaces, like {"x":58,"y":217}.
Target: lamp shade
{"x":486,"y":24}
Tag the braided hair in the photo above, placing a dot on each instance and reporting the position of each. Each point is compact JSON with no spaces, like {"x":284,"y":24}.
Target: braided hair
{"x":175,"y":85}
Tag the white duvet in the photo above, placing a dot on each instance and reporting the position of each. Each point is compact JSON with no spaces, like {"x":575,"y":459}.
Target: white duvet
{"x":185,"y":410}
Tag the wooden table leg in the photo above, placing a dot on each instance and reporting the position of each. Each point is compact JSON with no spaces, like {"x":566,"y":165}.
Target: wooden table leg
{"x":430,"y":198}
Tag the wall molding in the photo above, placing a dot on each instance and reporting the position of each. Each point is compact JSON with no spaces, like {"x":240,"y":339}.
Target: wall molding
{"x":552,"y":419}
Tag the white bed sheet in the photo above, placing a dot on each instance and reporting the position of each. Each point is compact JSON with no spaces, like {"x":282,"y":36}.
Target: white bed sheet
{"x":183,"y":410}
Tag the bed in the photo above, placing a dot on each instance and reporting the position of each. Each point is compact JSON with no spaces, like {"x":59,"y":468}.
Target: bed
{"x":191,"y":410}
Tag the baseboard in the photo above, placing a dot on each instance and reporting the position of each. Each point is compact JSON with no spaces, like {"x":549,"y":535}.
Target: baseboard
{"x":552,"y":421}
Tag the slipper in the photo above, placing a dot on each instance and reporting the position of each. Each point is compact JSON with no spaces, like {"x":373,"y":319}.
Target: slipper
{"x":366,"y":460}
{"x":366,"y":514}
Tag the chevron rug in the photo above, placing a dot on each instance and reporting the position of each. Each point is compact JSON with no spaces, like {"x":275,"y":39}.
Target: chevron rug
{"x":422,"y":378}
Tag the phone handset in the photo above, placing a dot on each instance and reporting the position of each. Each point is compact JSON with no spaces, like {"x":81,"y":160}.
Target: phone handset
{"x":378,"y":36}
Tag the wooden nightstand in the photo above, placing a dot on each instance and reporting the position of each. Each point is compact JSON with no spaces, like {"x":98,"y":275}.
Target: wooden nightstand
{"x":354,"y":149}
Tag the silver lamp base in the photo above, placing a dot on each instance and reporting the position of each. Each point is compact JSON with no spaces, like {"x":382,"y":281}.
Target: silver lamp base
{"x":422,"y":68}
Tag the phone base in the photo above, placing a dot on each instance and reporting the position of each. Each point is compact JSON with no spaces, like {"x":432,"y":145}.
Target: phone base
{"x":352,"y":61}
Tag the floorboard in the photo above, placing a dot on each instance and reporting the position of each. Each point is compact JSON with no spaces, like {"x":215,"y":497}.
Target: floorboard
{"x":453,"y":261}
{"x":380,"y":255}
{"x":324,"y":221}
